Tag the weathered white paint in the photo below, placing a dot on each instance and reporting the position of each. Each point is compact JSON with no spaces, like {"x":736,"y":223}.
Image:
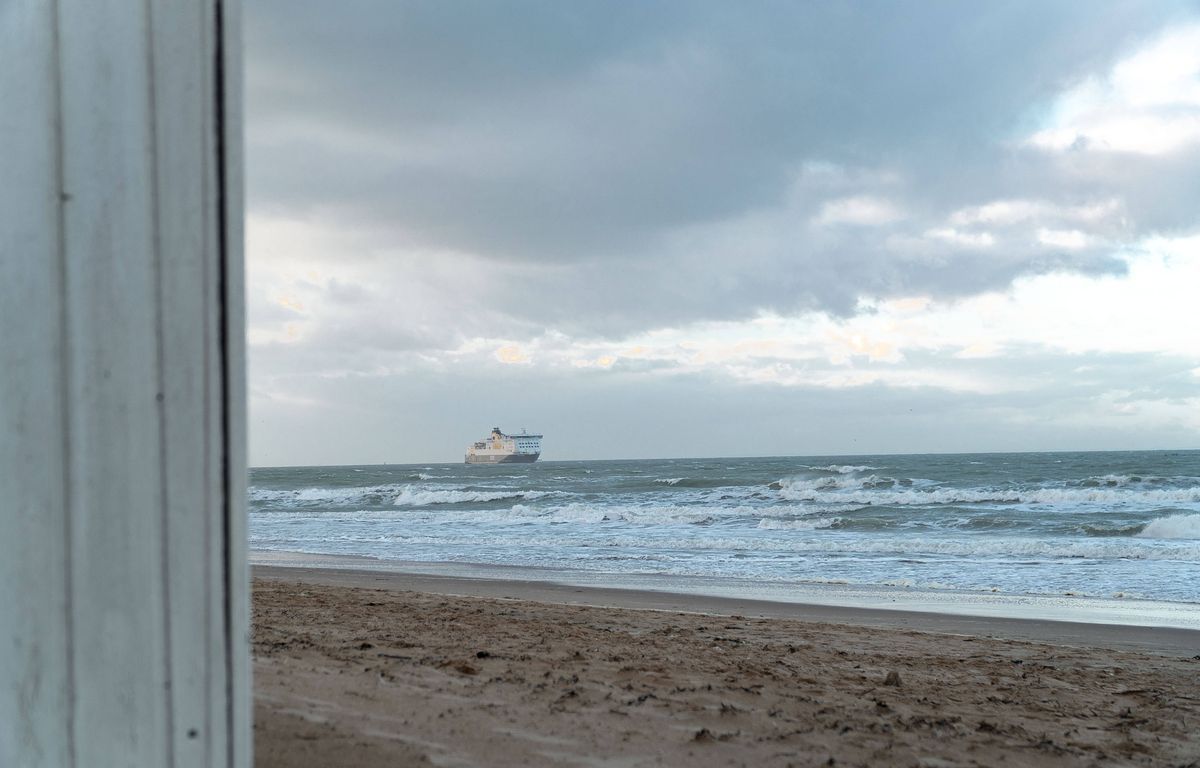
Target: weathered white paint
{"x":123,"y":583}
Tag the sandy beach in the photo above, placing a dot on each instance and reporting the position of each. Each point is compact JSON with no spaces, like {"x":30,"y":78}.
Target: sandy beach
{"x":363,"y":669}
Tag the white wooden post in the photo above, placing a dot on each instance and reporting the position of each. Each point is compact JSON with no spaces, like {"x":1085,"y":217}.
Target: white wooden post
{"x":123,"y":580}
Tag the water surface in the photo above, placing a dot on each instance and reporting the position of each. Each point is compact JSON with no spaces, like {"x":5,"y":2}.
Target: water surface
{"x":1108,"y":525}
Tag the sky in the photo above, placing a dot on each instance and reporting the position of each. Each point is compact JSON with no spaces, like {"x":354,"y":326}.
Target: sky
{"x":665,"y":229}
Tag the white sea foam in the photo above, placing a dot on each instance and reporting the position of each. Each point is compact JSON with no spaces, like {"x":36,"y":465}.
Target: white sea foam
{"x":990,"y":548}
{"x":670,"y":480}
{"x":767,"y":547}
{"x":1111,"y":479}
{"x":1173,"y":527}
{"x":399,"y":495}
{"x":577,"y":513}
{"x":803,"y":524}
{"x":842,"y":469}
{"x":321,"y":495}
{"x":876,"y":490}
{"x":1116,"y":481}
{"x":650,"y":514}
{"x":634,"y":514}
{"x":1125,"y":480}
{"x":414,"y":496}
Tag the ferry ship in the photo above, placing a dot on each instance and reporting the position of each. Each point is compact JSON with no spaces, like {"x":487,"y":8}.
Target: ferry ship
{"x":499,"y":448}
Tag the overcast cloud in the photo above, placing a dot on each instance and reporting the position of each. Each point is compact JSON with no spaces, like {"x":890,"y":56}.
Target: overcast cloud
{"x":656,"y":229}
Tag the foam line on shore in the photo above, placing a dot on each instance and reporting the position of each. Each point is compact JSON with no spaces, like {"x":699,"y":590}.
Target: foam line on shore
{"x":1173,"y":641}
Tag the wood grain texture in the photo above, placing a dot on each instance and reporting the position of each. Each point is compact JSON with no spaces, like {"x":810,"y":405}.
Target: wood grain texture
{"x":114,"y":468}
{"x":183,"y":126}
{"x":121,"y":459}
{"x":34,"y":569}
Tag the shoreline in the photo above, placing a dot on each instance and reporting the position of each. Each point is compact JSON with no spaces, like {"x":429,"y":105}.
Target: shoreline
{"x":1083,"y":609}
{"x":350,"y":573}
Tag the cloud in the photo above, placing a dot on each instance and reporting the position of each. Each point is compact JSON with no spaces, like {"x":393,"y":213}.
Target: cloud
{"x":861,"y":211}
{"x":914,"y":341}
{"x":1071,"y":239}
{"x":1148,"y":103}
{"x":1019,"y":211}
{"x":511,"y":354}
{"x":608,"y":171}
{"x":816,"y":198}
{"x":962,"y":238}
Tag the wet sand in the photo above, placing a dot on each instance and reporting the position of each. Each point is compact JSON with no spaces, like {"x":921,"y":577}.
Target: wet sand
{"x":362,"y":668}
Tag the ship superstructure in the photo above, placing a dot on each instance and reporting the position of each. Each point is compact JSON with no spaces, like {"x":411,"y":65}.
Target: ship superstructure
{"x":499,"y":448}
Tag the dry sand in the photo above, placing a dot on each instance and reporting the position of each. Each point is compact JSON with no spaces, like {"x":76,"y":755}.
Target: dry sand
{"x":362,"y":671}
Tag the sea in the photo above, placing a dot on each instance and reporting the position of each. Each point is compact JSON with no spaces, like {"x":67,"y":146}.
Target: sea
{"x":1115,"y":532}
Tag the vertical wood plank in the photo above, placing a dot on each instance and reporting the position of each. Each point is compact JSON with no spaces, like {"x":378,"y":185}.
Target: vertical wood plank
{"x":34,"y":670}
{"x":115,"y":468}
{"x":183,"y":122}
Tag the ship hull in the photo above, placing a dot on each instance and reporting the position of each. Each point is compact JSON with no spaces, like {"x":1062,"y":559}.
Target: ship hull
{"x":507,"y":458}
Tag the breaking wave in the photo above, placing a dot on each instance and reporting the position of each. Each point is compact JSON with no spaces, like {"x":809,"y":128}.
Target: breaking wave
{"x":702,"y":482}
{"x":1173,"y":527}
{"x":423,"y":497}
{"x":1135,"y":481}
{"x":321,"y":497}
{"x":884,"y":490}
{"x":798,"y":525}
{"x":635,"y":514}
{"x":382,"y":495}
